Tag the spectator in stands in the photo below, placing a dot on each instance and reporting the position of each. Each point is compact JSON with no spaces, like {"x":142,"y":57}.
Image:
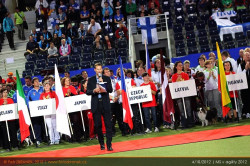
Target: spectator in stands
{"x":11,"y":79}
{"x":47,"y":35}
{"x":67,"y":74}
{"x":31,"y":47}
{"x":107,"y":23}
{"x":130,"y":8}
{"x":71,"y":32}
{"x":98,"y":17}
{"x":87,"y":4}
{"x":156,"y":74}
{"x":35,"y":36}
{"x":2,"y":81}
{"x":61,"y":17}
{"x":121,"y":32}
{"x":110,"y":3}
{"x":150,"y":105}
{"x":11,"y":124}
{"x":142,"y":12}
{"x":179,"y":75}
{"x":228,"y":71}
{"x":81,"y":31}
{"x":65,"y":49}
{"x":93,"y":11}
{"x":225,"y":56}
{"x":84,"y":14}
{"x":118,"y":6}
{"x":8,"y":28}
{"x":187,"y":69}
{"x":75,"y":5}
{"x":28,"y":85}
{"x":108,"y":43}
{"x":107,"y":8}
{"x":118,"y":17}
{"x":227,"y":4}
{"x":19,"y":17}
{"x":97,"y":44}
{"x":58,"y":31}
{"x":3,"y":12}
{"x":84,"y":75}
{"x":94,"y":28}
{"x":155,"y":2}
{"x":52,"y":51}
{"x":44,"y":3}
{"x":202,"y":5}
{"x":72,"y":15}
{"x":214,"y":6}
{"x":67,"y":39}
{"x":41,"y":14}
{"x":212,"y":59}
{"x":151,"y":10}
{"x":63,"y":7}
{"x":43,"y":45}
{"x":211,"y":88}
{"x":240,"y":59}
{"x":56,"y":40}
{"x":10,"y":90}
{"x":201,"y":66}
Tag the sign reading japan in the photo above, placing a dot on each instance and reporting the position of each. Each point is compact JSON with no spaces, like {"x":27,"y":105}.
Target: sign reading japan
{"x":183,"y":89}
{"x":8,"y":112}
{"x":237,"y":81}
{"x":78,"y":103}
{"x":140,"y":94}
{"x":227,"y":14}
{"x":42,"y":107}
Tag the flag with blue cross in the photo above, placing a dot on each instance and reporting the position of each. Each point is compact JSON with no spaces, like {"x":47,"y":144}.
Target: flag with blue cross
{"x":148,"y":30}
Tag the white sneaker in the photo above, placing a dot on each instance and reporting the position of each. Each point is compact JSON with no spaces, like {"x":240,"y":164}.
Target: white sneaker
{"x":52,"y":143}
{"x":56,"y":142}
{"x":165,"y":126}
{"x":156,"y":129}
{"x":38,"y":143}
{"x":148,"y":131}
{"x":248,"y":115}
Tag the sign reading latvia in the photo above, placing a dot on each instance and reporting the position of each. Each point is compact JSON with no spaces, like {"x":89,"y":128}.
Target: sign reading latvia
{"x":8,"y":112}
{"x":237,"y":81}
{"x":42,"y":107}
{"x":183,"y":89}
{"x":78,"y":103}
{"x":140,"y":94}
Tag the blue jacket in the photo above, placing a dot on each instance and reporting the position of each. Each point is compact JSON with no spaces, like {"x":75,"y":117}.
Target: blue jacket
{"x":26,"y":89}
{"x":8,"y":24}
{"x":109,"y":9}
{"x":34,"y":95}
{"x":14,"y":97}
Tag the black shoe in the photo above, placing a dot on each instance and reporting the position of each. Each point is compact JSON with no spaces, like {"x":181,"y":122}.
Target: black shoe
{"x":102,"y":147}
{"x":110,"y":148}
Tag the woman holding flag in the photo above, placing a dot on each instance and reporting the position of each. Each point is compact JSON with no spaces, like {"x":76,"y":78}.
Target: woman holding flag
{"x":179,"y":75}
{"x":50,"y":119}
{"x":11,"y":124}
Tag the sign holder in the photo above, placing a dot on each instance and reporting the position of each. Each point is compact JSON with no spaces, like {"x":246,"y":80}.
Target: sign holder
{"x":7,"y":127}
{"x":185,"y":111}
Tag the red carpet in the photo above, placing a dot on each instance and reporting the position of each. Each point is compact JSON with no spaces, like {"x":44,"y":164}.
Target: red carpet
{"x":147,"y":143}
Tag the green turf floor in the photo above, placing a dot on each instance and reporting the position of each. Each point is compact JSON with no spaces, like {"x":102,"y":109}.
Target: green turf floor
{"x":119,"y":138}
{"x":229,"y":147}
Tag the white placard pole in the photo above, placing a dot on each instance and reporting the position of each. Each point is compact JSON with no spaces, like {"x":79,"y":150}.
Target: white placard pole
{"x":140,"y":113}
{"x":173,"y":117}
{"x":70,"y":124}
{"x":235,"y":101}
{"x":82,"y":122}
{"x":46,"y":131}
{"x":8,"y":132}
{"x":184,"y":107}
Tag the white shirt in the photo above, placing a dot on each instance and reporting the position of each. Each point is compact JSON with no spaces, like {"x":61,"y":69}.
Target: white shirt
{"x":138,"y":81}
{"x":114,"y":93}
{"x":44,"y":3}
{"x":211,"y":83}
{"x":95,"y":28}
{"x":233,"y":62}
{"x":156,"y":77}
{"x":199,"y":68}
{"x":128,"y":85}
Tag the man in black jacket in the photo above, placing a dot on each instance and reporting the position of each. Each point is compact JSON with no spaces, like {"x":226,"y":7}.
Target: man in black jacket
{"x":100,"y":104}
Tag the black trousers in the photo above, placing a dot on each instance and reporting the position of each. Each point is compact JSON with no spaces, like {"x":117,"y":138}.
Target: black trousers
{"x":117,"y":116}
{"x":76,"y":122}
{"x":98,"y":124}
{"x":10,"y":38}
{"x":37,"y":126}
{"x":12,"y":132}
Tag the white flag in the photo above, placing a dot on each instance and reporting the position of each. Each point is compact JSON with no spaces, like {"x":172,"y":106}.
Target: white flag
{"x":148,"y":30}
{"x":62,"y":123}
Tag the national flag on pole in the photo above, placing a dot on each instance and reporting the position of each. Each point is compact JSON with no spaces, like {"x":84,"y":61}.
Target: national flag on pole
{"x":62,"y":123}
{"x":167,"y":102}
{"x":222,"y":85}
{"x":148,"y":29}
{"x":24,"y":117}
{"x":127,"y":111}
{"x":148,"y":66}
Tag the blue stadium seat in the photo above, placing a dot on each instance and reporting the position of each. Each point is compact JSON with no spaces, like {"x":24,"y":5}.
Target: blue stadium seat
{"x":192,"y":50}
{"x":30,"y":66}
{"x":52,"y":62}
{"x":110,"y":53}
{"x":178,"y":4}
{"x":214,"y":46}
{"x":200,"y":25}
{"x":191,"y":43}
{"x":166,"y":5}
{"x":229,"y":45}
{"x":32,"y":58}
{"x":41,"y":63}
{"x":109,"y":61}
{"x":179,"y":12}
{"x":87,"y":49}
{"x":179,"y":44}
{"x":77,"y":42}
{"x":122,"y":52}
{"x":89,"y":40}
{"x":180,"y":20}
{"x":190,"y":35}
{"x":178,"y":36}
{"x":235,"y":19}
{"x":99,"y":55}
{"x":75,"y":59}
{"x":74,"y":66}
{"x":211,"y":24}
{"x":85,"y":65}
{"x":204,"y":17}
{"x":189,"y":26}
{"x":97,"y":61}
{"x":241,"y":12}
{"x":37,"y":71}
{"x":77,"y":50}
{"x":181,"y":52}
{"x":177,"y":28}
{"x":86,"y":57}
{"x":215,"y":38}
{"x":245,"y":18}
{"x":213,"y":31}
{"x":192,"y":18}
{"x":43,"y":56}
{"x":242,"y":43}
{"x":227,"y":37}
{"x":122,"y":44}
{"x":191,"y":9}
{"x":203,"y":41}
{"x":239,"y":36}
{"x":202,"y":33}
{"x":26,"y":73}
{"x":204,"y":48}
{"x":63,"y":61}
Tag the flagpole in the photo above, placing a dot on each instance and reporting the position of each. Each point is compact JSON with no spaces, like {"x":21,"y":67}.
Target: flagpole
{"x":169,"y":47}
{"x":141,"y":117}
{"x":70,"y":124}
{"x":7,"y":127}
{"x":31,"y":126}
{"x":235,"y":101}
{"x":83,"y":125}
{"x":184,"y":107}
{"x":46,"y":132}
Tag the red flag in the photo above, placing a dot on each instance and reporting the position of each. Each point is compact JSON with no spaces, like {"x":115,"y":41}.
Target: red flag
{"x":167,"y":102}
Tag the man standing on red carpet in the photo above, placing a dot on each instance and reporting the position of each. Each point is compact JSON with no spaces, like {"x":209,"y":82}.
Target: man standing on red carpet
{"x":99,"y":87}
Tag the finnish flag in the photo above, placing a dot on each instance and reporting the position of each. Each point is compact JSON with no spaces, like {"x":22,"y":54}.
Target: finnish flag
{"x":148,"y":30}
